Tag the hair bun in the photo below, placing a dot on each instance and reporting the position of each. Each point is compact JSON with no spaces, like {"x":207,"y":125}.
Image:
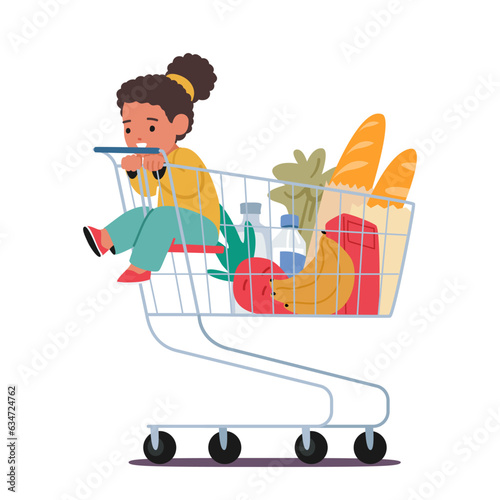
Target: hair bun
{"x":198,"y":71}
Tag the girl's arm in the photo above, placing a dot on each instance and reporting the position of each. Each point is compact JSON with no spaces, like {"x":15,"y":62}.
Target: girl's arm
{"x":133,"y":164}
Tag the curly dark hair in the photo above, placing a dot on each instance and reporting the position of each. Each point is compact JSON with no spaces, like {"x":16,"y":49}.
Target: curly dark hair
{"x":167,"y":93}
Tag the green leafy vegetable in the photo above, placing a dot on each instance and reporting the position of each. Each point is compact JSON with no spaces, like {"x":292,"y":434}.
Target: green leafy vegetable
{"x":301,"y":201}
{"x":235,"y":250}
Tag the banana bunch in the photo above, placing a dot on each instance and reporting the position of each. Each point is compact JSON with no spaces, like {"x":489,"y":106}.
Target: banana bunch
{"x":315,"y":286}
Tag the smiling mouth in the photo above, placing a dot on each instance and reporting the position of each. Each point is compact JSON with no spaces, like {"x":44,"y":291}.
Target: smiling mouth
{"x":141,"y":144}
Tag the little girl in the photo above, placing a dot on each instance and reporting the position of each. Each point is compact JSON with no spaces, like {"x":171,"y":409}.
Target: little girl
{"x":157,"y":111}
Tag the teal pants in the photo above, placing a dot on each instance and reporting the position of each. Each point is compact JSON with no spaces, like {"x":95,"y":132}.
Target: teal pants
{"x":150,"y":237}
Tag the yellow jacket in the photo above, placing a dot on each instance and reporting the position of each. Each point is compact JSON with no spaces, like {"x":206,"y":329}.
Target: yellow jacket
{"x":189,"y":184}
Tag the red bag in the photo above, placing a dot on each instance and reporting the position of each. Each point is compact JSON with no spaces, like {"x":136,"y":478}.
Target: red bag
{"x":369,"y":286}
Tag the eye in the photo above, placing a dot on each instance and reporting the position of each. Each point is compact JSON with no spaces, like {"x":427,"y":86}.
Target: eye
{"x":152,"y":128}
{"x":127,"y":130}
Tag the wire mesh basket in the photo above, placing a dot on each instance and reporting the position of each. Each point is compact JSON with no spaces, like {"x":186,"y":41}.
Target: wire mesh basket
{"x":357,"y":245}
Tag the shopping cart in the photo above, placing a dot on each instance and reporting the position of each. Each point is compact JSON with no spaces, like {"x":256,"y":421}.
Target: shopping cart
{"x":187,"y":289}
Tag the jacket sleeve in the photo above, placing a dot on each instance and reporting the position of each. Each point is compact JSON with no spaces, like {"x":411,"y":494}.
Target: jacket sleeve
{"x":188,"y":183}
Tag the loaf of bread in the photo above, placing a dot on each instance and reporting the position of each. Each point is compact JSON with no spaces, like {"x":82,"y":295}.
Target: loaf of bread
{"x":396,"y":180}
{"x":358,"y":165}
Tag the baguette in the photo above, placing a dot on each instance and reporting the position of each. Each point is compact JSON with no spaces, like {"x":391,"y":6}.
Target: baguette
{"x":358,"y":164}
{"x":396,"y":180}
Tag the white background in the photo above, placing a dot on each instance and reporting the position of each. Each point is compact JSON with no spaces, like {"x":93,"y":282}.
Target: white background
{"x":81,"y":407}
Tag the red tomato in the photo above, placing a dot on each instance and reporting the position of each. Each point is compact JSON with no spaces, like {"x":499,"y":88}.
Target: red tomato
{"x":257,"y":272}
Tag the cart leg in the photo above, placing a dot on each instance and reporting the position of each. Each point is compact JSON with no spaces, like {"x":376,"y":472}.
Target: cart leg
{"x":306,"y":437}
{"x":223,"y":437}
{"x":369,"y":437}
{"x":155,"y":437}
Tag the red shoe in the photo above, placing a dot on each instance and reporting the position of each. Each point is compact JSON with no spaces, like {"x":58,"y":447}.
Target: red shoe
{"x":132,"y":277}
{"x":93,"y":237}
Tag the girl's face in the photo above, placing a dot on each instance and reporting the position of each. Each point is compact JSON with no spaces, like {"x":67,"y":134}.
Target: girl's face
{"x":147,"y":125}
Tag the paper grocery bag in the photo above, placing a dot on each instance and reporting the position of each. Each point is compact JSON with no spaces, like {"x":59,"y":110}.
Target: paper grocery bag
{"x":333,"y":203}
{"x":393,"y":227}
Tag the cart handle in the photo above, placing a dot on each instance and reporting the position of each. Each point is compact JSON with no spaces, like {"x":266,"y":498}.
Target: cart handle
{"x":146,"y":151}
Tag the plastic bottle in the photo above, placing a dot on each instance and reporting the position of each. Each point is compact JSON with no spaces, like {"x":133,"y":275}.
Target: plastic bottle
{"x":251,"y":213}
{"x":289,"y":248}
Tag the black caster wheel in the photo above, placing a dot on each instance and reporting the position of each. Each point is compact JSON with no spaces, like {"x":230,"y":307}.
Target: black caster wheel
{"x":317,"y":449}
{"x":165,"y":451}
{"x":366,"y":455}
{"x":230,"y":454}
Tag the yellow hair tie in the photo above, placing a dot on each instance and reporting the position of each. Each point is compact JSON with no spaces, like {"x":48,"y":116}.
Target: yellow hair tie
{"x":183,"y":82}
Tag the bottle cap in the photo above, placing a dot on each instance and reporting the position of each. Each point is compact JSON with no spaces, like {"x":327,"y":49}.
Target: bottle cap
{"x":289,"y":220}
{"x":250,"y":208}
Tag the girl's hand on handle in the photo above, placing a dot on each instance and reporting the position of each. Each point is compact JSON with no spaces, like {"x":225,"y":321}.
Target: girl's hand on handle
{"x":153,"y":163}
{"x":132,"y":163}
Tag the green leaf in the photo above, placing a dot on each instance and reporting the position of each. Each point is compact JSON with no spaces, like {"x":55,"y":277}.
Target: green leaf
{"x":235,"y":250}
{"x":297,"y":200}
{"x":220,"y":275}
